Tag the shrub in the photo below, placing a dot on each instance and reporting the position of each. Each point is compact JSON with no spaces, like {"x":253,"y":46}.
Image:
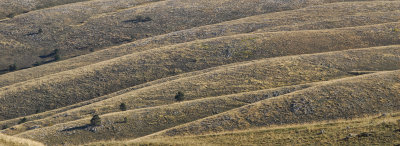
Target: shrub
{"x":4,"y":127}
{"x":180,"y":96}
{"x":12,"y":67}
{"x":23,"y":120}
{"x":125,"y":119}
{"x":56,"y":51}
{"x":10,"y":15}
{"x":56,"y":57}
{"x":95,"y":121}
{"x":122,"y":107}
{"x":37,"y":63}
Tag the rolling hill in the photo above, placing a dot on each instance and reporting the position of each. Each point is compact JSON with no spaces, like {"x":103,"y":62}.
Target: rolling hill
{"x":248,"y":72}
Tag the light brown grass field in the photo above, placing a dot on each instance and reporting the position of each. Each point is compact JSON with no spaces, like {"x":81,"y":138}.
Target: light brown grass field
{"x":74,"y":33}
{"x":250,"y":76}
{"x":333,"y":15}
{"x":302,"y":71}
{"x":376,"y":130}
{"x":15,"y":141}
{"x":339,"y":99}
{"x":73,"y":86}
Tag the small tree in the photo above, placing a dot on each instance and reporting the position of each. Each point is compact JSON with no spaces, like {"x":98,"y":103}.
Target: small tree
{"x":180,"y":96}
{"x":56,"y":57}
{"x":23,"y":120}
{"x":122,"y":107}
{"x":56,"y":51}
{"x":12,"y":67}
{"x":95,"y":121}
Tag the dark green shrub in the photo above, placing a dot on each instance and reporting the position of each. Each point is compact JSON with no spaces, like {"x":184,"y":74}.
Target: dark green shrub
{"x":56,"y":51}
{"x":37,"y":63}
{"x":4,"y":127}
{"x":23,"y":120}
{"x":10,"y":15}
{"x":180,"y":96}
{"x":56,"y":57}
{"x":37,"y":111}
{"x":125,"y":120}
{"x":95,"y":121}
{"x":122,"y":107}
{"x":12,"y":67}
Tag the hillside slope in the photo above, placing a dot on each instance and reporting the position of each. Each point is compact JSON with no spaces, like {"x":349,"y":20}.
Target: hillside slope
{"x":376,"y":130}
{"x":339,"y":99}
{"x":325,"y":16}
{"x":72,"y":33}
{"x":250,"y":76}
{"x":15,"y":141}
{"x":73,"y":86}
{"x":184,"y":72}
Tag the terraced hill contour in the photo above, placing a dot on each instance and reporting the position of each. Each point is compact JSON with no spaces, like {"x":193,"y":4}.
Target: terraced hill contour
{"x":240,"y":64}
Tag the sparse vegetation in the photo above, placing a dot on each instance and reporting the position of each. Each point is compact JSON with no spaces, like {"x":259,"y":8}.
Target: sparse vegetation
{"x":180,"y":96}
{"x":56,"y":57}
{"x":12,"y":67}
{"x":122,"y":107}
{"x":23,"y":120}
{"x":303,"y":72}
{"x":4,"y":127}
{"x":95,"y":121}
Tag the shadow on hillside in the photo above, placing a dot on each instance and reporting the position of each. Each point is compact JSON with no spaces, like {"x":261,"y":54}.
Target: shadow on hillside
{"x":76,"y":128}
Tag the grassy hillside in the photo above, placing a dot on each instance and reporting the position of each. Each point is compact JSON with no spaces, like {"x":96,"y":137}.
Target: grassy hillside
{"x":333,"y":15}
{"x":200,"y":72}
{"x":250,"y":76}
{"x":15,"y":141}
{"x":375,"y":130}
{"x":340,"y":99}
{"x":65,"y":29}
{"x":99,"y":79}
{"x":11,"y":8}
{"x":145,"y":121}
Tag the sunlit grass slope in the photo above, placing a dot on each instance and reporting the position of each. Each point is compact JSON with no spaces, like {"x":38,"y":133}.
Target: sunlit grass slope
{"x":372,"y":130}
{"x":326,"y":16}
{"x":15,"y":141}
{"x":339,"y":99}
{"x":99,"y":79}
{"x":73,"y":33}
{"x":241,"y":77}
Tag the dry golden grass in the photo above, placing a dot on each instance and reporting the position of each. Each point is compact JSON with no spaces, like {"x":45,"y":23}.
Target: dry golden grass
{"x":334,"y":15}
{"x":339,"y":99}
{"x":372,"y":130}
{"x":73,"y":86}
{"x":242,"y":64}
{"x":11,"y":8}
{"x":15,"y":141}
{"x":77,"y":28}
{"x":145,"y":121}
{"x":240,"y":77}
